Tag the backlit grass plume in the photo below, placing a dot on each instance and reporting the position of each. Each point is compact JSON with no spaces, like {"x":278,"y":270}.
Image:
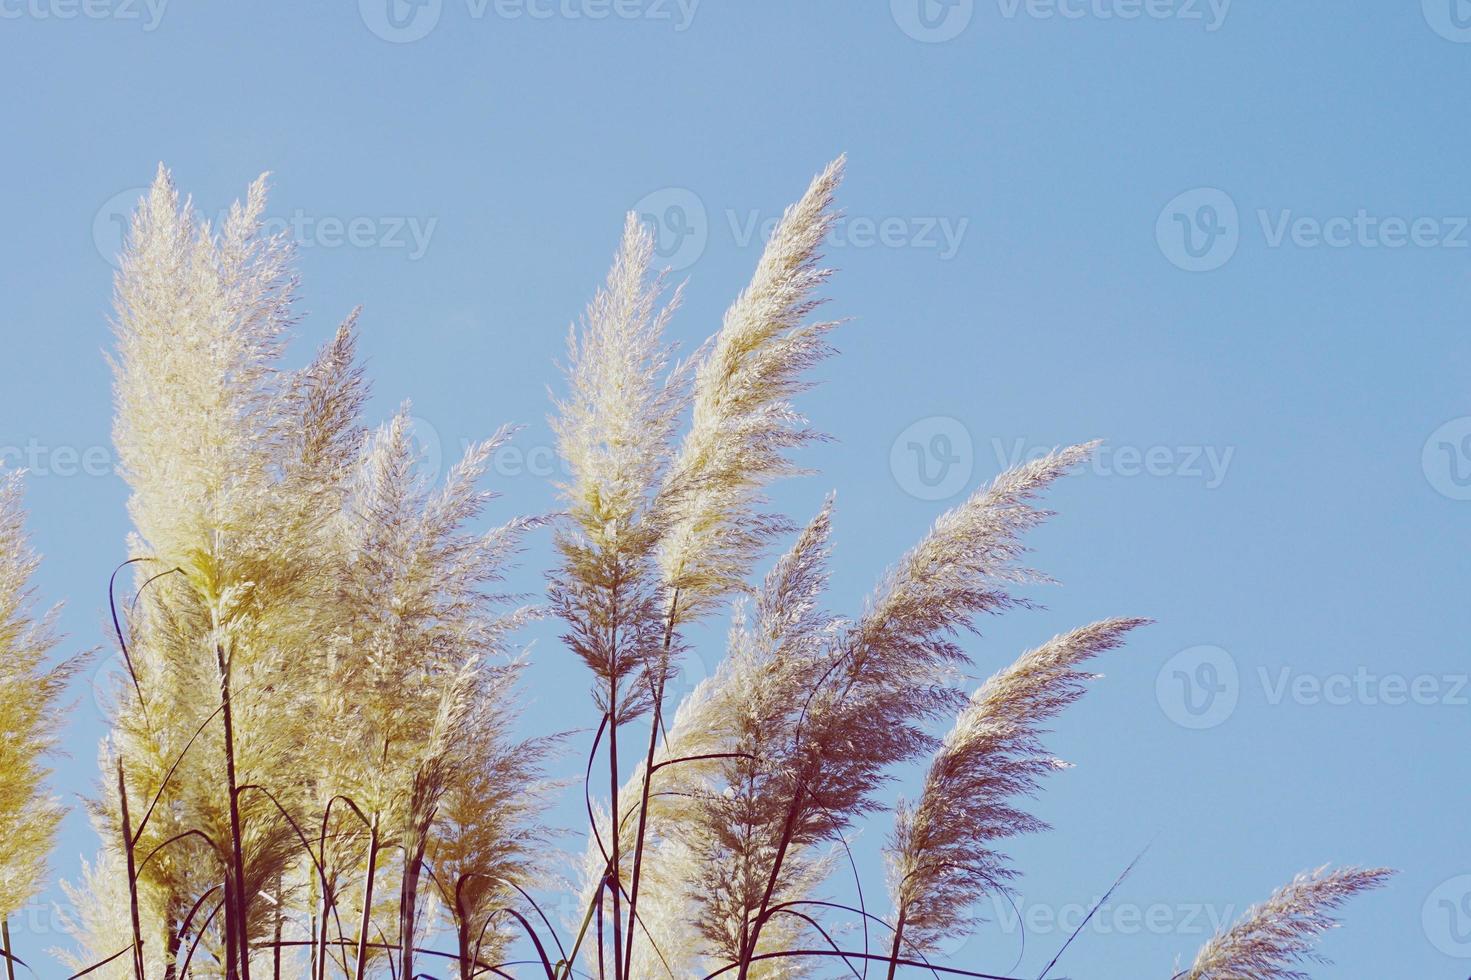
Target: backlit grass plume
{"x":229,"y":460}
{"x":884,"y":677}
{"x":743,"y":421}
{"x":1282,"y":932}
{"x":318,"y":762}
{"x":30,"y":694}
{"x":943,"y":855}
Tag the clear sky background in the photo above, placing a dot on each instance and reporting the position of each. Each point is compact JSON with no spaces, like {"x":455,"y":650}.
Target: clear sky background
{"x":1230,"y":241}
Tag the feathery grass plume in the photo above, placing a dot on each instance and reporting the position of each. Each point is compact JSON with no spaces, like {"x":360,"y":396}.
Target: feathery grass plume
{"x":889,"y":669}
{"x":200,"y":324}
{"x":29,"y":715}
{"x":713,"y":743}
{"x":743,"y":422}
{"x":323,"y":440}
{"x":889,"y":673}
{"x":742,"y":429}
{"x":773,"y":662}
{"x":230,"y":461}
{"x":490,"y":847}
{"x":942,"y":855}
{"x":614,"y":431}
{"x":415,"y":670}
{"x":1284,"y":930}
{"x":97,"y":922}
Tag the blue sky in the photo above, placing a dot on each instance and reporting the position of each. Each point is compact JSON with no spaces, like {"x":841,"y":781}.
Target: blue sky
{"x":1228,"y":239}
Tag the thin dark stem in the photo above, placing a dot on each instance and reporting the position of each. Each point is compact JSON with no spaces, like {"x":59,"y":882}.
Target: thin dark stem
{"x":541,"y":952}
{"x":328,"y":900}
{"x":789,"y":824}
{"x":133,"y":606}
{"x":613,"y":785}
{"x":117,"y":628}
{"x":5,"y":945}
{"x":824,"y":933}
{"x":1099,"y":904}
{"x":182,"y":835}
{"x":174,"y":939}
{"x":551,"y":930}
{"x":319,"y":936}
{"x":748,"y":944}
{"x":203,"y":928}
{"x":100,"y":964}
{"x":643,"y":810}
{"x":362,"y":954}
{"x":866,"y":917}
{"x":414,"y":845}
{"x":600,"y":935}
{"x":168,"y":776}
{"x":276,"y":952}
{"x":894,"y":949}
{"x":863,"y":915}
{"x":127,"y":829}
{"x":237,"y":840}
{"x":595,"y":907}
{"x":702,"y":758}
{"x":178,"y":937}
